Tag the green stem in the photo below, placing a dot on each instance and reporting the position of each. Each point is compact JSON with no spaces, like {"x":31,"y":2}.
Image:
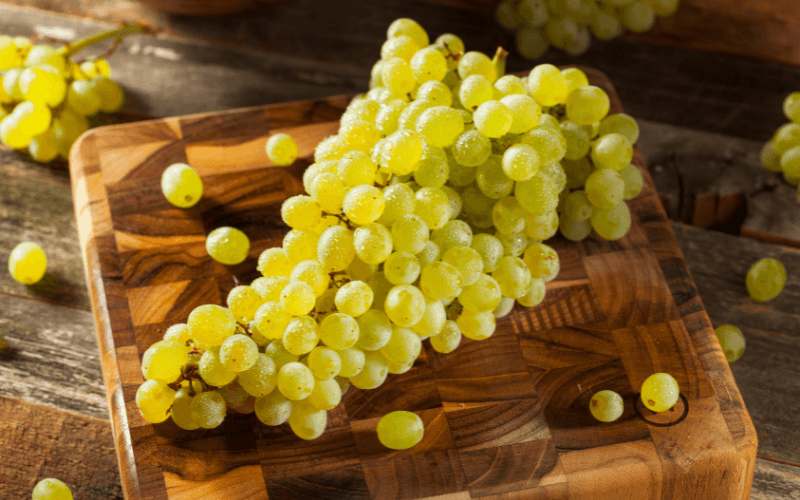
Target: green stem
{"x":81,"y":44}
{"x":499,"y":61}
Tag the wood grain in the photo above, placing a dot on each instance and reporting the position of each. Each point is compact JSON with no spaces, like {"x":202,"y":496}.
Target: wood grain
{"x":460,"y":396}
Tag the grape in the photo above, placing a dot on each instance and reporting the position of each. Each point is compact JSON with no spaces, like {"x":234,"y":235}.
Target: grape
{"x":238,"y":353}
{"x":331,"y":148}
{"x":513,"y":276}
{"x":513,"y":244}
{"x":537,"y":195}
{"x":281,"y":150}
{"x":51,"y":488}
{"x":474,"y":91}
{"x":448,"y":339}
{"x":111,"y":95}
{"x":791,"y":107}
{"x":605,"y":188}
{"x":470,"y":150}
{"x":476,"y":63}
{"x":300,"y":245}
{"x":374,"y":373}
{"x":208,"y":410}
{"x":508,"y":216}
{"x":401,"y":152}
{"x":386,"y":121}
{"x":525,"y":112}
{"x":353,"y":360}
{"x":786,"y":137}
{"x":408,"y":27}
{"x":404,"y":346}
{"x":279,"y":355}
{"x":328,"y":190}
{"x":612,"y":151}
{"x":380,"y":289}
{"x":45,"y":54}
{"x":273,"y":409}
{"x":324,"y":363}
{"x":27,"y":263}
{"x":9,"y":54}
{"x":476,"y":325}
{"x":428,"y":64}
{"x":765,"y":279}
{"x":432,"y":172}
{"x":44,"y":84}
{"x":375,"y":330}
{"x":233,"y":394}
{"x":261,"y":378}
{"x":504,"y":307}
{"x":612,"y":223}
{"x":549,"y":144}
{"x":399,"y":201}
{"x":153,"y":398}
{"x":531,"y":42}
{"x":620,"y":123}
{"x":489,"y":248}
{"x":439,"y":125}
{"x":534,"y":295}
{"x":660,"y":392}
{"x":358,"y":134}
{"x":360,"y":270}
{"x":401,"y":268}
{"x":577,"y":206}
{"x":301,"y":335}
{"x":453,"y":233}
{"x":295,"y":381}
{"x":638,"y":17}
{"x":227,"y":245}
{"x":547,"y":85}
{"x":541,"y":227}
{"x":271,"y":319}
{"x":405,"y":304}
{"x":432,"y":320}
{"x":397,"y":76}
{"x":606,"y":406}
{"x":520,"y":162}
{"x":33,"y":118}
{"x":429,"y":254}
{"x":335,"y":249}
{"x":492,"y":179}
{"x":435,"y":92}
{"x":493,"y":119}
{"x":181,"y":185}
{"x":181,"y":411}
{"x":633,"y":181}
{"x":731,"y":341}
{"x":354,"y":298}
{"x":274,"y":262}
{"x":410,"y":233}
{"x":211,"y":324}
{"x":311,"y":273}
{"x":587,"y":105}
{"x":482,"y":295}
{"x":542,"y":261}
{"x":179,"y":333}
{"x":339,"y":331}
{"x":790,"y":162}
{"x":574,"y":78}
{"x":440,"y":281}
{"x":400,"y":430}
{"x":213,"y":371}
{"x":452,"y":43}
{"x":356,"y":168}
{"x":164,"y":360}
{"x":326,"y":395}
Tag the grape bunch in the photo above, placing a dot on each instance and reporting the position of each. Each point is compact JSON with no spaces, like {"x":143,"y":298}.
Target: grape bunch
{"x":46,"y":98}
{"x":781,"y":154}
{"x":568,"y":24}
{"x":424,"y":218}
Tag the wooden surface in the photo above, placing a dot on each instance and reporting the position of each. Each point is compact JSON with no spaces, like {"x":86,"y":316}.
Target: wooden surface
{"x":504,"y":417}
{"x":706,"y":100}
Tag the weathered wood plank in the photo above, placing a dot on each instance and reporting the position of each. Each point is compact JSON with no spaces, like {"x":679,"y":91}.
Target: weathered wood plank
{"x":774,"y":481}
{"x":39,"y":442}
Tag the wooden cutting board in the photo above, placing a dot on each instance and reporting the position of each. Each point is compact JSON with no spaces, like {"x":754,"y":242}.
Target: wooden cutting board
{"x":506,"y":418}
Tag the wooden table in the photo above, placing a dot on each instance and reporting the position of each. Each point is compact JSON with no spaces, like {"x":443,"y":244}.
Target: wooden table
{"x":710,"y":115}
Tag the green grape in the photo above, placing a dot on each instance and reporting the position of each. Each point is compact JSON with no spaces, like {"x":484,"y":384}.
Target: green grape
{"x":448,"y":339}
{"x":271,"y":319}
{"x":279,"y":355}
{"x":233,"y":394}
{"x":211,"y":324}
{"x":660,"y":392}
{"x":111,"y":95}
{"x":489,"y":248}
{"x":513,"y":276}
{"x":411,"y":113}
{"x":9,"y":54}
{"x":375,"y":330}
{"x":791,"y":106}
{"x":555,"y":172}
{"x":577,"y":140}
{"x":399,"y":201}
{"x":328,"y":190}
{"x":386,"y":121}
{"x":504,"y":307}
{"x":577,"y":206}
{"x":790,"y":163}
{"x":326,"y":304}
{"x":179,"y":333}
{"x":164,"y":361}
{"x":513,"y":85}
{"x":493,"y":119}
{"x":432,"y":320}
{"x":153,"y":398}
{"x":439,"y":126}
{"x":373,"y":243}
{"x":261,"y":378}
{"x":44,"y":84}
{"x":405,"y":304}
{"x":547,"y":85}
{"x":605,"y":26}
{"x":335,"y":249}
{"x":404,"y":346}
{"x":45,"y":54}
{"x":324,"y":363}
{"x":541,"y":227}
{"x":461,"y":175}
{"x":401,"y":152}
{"x":574,"y":230}
{"x":542,"y":261}
{"x":380,"y":289}
{"x":339,"y":331}
{"x":474,"y":91}
{"x":331,"y":148}
{"x":238,"y":353}
{"x":295,"y":381}
{"x":326,"y":395}
{"x":397,"y":76}
{"x":400,"y":430}
{"x":401,"y":268}
{"x":731,"y":341}
{"x":400,"y":46}
{"x":605,"y":188}
{"x":213,"y":371}
{"x":531,"y":42}
{"x":562,"y":32}
{"x":301,"y":335}
{"x":606,"y":406}
{"x":513,"y":244}
{"x":786,"y":137}
{"x":453,"y":233}
{"x":352,"y":361}
{"x":358,"y":134}
{"x":440,"y":281}
{"x":633,"y":181}
{"x":67,"y":127}
{"x":508,"y":216}
{"x":470,"y":150}
{"x":638,"y":17}
{"x":410,"y":233}
{"x":428,"y":64}
{"x":526,"y":112}
{"x":492,"y":179}
{"x":274,"y":262}
{"x":612,"y":151}
{"x":376,"y":368}
{"x":452,"y":43}
{"x":620,"y":123}
{"x":769,"y":159}
{"x":612,"y":223}
{"x":520,"y":162}
{"x":360,"y":270}
{"x":181,"y":185}
{"x":476,"y":325}
{"x":508,"y":16}
{"x":273,"y":409}
{"x":477,"y":204}
{"x":311,"y":273}
{"x":548,"y":143}
{"x":354,"y":298}
{"x":587,"y":105}
{"x":574,"y":78}
{"x":476,"y":63}
{"x":429,"y":254}
{"x":82,"y":97}
{"x":34,"y":118}
{"x":436,"y":93}
{"x":482,"y":295}
{"x":765,"y":279}
{"x":432,"y":172}
{"x":467,"y":261}
{"x":664,"y":7}
{"x":50,"y":488}
{"x":27,"y":263}
{"x":208,"y":409}
{"x":300,"y":245}
{"x":363,"y":204}
{"x":537,"y":195}
{"x":534,"y":295}
{"x":228,"y":245}
{"x":181,"y":411}
{"x":356,"y":168}
{"x":281,"y":150}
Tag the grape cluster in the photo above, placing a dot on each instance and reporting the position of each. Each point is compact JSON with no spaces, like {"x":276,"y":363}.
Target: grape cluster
{"x":781,"y":154}
{"x":568,"y":24}
{"x":424,"y":218}
{"x":46,"y":98}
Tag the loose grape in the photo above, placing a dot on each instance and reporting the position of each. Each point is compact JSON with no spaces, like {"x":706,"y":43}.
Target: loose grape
{"x":765,"y":279}
{"x":51,"y":489}
{"x":27,"y":263}
{"x":400,"y":430}
{"x":606,"y":406}
{"x":660,"y":392}
{"x":181,"y":185}
{"x":228,"y":245}
{"x":281,"y":150}
{"x":731,"y":340}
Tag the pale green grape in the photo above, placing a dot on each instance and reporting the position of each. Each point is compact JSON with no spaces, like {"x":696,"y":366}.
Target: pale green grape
{"x":467,"y":261}
{"x":493,"y":119}
{"x":273,"y":409}
{"x":440,"y":281}
{"x":11,"y":84}
{"x":300,"y":245}
{"x":401,"y":268}
{"x":531,"y":42}
{"x":513,"y":85}
{"x":45,"y":54}
{"x":397,"y":76}
{"x":577,"y":140}
{"x":428,"y":64}
{"x":208,"y":409}
{"x":633,"y":181}
{"x":328,"y":190}
{"x":612,"y":151}
{"x":432,"y":172}
{"x":605,"y":188}
{"x":520,"y":162}
{"x":432,"y":321}
{"x":587,"y":105}
{"x":331,"y":148}
{"x":526,"y":112}
{"x":352,"y":361}
{"x":238,"y":353}
{"x":181,"y":185}
{"x":211,"y":324}
{"x":244,"y":301}
{"x":470,"y":150}
{"x":461,"y":175}
{"x":508,"y":216}
{"x":181,"y":410}
{"x":542,"y":261}
{"x":612,"y":223}
{"x":769,"y":159}
{"x":10,"y":133}
{"x":311,"y":273}
{"x":301,"y":212}
{"x":213,"y":371}
{"x":301,"y":335}
{"x":513,"y":244}
{"x":400,"y":430}
{"x":386,"y":121}
{"x":404,"y":346}
{"x":537,"y":195}
{"x":620,"y":123}
{"x":271,"y":319}
{"x":453,"y":233}
{"x":326,"y":394}
{"x":279,"y":355}
{"x":399,"y":46}
{"x":356,"y":168}
{"x":295,"y":381}
{"x":476,"y":325}
{"x":660,"y":392}
{"x":164,"y":360}
{"x":547,"y":85}
{"x":399,"y":200}
{"x":574,"y":78}
{"x":81,"y":96}
{"x":111,"y":95}
{"x":638,"y":17}
{"x":489,"y":248}
{"x":786,"y":137}
{"x":375,"y":329}
{"x":358,"y":134}
{"x":513,"y":276}
{"x":228,"y":245}
{"x":453,"y":45}
{"x":233,"y":394}
{"x":27,"y":263}
{"x":335,"y":249}
{"x":153,"y":398}
{"x":555,"y":172}
{"x":408,"y":27}
{"x":412,"y":112}
{"x":790,"y":163}
{"x":541,"y":227}
{"x":51,"y":488}
{"x":324,"y":363}
{"x":731,"y":341}
{"x":363,"y":204}
{"x":577,"y":206}
{"x":261,"y":378}
{"x":504,"y":307}
{"x":534,"y":295}
{"x":46,"y":85}
{"x":339,"y":331}
{"x":474,"y":91}
{"x":436,"y":93}
{"x":306,"y":421}
{"x":606,"y":406}
{"x":448,"y":339}
{"x":179,"y":333}
{"x":439,"y":125}
{"x":549,"y":144}
{"x":380,"y":289}
{"x":281,"y":150}
{"x":376,"y":368}
{"x":492,"y":179}
{"x":791,"y":107}
{"x":765,"y":279}
{"x":482,"y":295}
{"x":274,"y":262}
{"x":373,"y":243}
{"x":476,"y":63}
{"x":429,"y":254}
{"x":354,"y":298}
{"x":401,"y":152}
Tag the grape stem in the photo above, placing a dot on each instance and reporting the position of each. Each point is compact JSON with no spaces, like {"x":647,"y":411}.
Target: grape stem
{"x":127,"y":29}
{"x":499,"y":61}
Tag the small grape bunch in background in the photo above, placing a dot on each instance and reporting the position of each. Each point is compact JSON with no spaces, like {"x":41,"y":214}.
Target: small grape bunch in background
{"x":46,"y":98}
{"x":569,"y":24}
{"x":781,"y":154}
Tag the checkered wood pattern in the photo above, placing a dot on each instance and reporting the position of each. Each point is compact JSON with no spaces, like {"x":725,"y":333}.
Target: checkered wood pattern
{"x":505,"y":418}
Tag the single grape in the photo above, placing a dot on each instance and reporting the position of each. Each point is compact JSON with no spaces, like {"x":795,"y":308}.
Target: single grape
{"x":228,"y":245}
{"x":238,"y":353}
{"x":273,"y":409}
{"x":606,"y":406}
{"x":400,"y":430}
{"x":765,"y":279}
{"x":281,"y":150}
{"x":660,"y":392}
{"x":261,"y":378}
{"x":51,"y":489}
{"x":181,"y":185}
{"x":731,"y":340}
{"x":27,"y":263}
{"x":208,"y":409}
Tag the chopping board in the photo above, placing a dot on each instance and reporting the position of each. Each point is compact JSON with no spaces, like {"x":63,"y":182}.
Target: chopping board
{"x":505,"y":418}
